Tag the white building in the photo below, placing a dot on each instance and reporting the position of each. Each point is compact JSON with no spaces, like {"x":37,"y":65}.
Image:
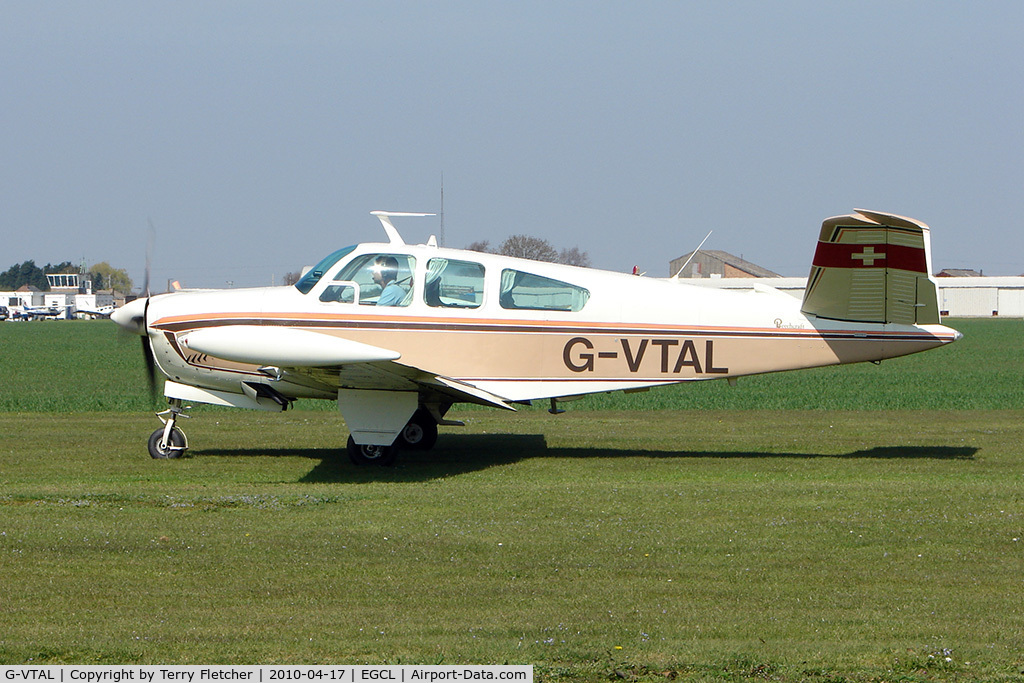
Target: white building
{"x":959,"y":297}
{"x":981,"y":297}
{"x":68,"y":296}
{"x":18,"y":301}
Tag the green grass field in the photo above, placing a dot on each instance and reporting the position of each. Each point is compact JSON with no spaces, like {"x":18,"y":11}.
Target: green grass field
{"x":861,"y":524}
{"x":60,"y":367}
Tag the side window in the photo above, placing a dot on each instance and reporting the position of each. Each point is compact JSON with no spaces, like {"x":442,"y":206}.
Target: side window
{"x":383,"y":279}
{"x":453,"y":284}
{"x":521,"y":290}
{"x":344,"y":293}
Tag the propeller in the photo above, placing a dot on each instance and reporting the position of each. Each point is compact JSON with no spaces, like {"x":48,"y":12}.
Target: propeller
{"x":147,"y":347}
{"x":147,"y":354}
{"x":133,"y":317}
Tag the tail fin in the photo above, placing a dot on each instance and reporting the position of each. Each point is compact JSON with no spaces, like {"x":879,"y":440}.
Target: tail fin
{"x":873,"y":267}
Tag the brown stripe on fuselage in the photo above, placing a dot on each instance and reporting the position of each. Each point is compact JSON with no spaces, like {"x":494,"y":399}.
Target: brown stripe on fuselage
{"x":416,"y":323}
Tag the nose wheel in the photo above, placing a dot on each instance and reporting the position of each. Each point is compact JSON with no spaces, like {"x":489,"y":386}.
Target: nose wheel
{"x":169,"y":441}
{"x":169,"y":446}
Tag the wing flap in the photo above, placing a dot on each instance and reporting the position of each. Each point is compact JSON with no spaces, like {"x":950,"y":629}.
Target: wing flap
{"x":467,"y":392}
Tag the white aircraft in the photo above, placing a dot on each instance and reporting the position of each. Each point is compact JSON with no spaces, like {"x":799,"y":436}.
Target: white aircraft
{"x":398,"y":333}
{"x":29,"y":312}
{"x":97,"y":312}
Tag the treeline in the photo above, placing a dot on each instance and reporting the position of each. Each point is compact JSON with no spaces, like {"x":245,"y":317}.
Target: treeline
{"x":536,"y":249}
{"x":103,"y":276}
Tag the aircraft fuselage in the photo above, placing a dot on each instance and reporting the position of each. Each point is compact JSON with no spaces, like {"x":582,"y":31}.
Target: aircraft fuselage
{"x":631,"y":332}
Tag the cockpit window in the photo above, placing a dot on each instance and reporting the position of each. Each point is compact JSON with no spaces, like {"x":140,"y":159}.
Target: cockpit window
{"x":342,"y":293}
{"x":383,"y":279}
{"x":307,"y":281}
{"x":521,"y":290}
{"x":453,"y":284}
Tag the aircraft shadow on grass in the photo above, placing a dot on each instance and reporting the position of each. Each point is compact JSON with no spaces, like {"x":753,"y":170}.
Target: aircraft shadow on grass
{"x":464,"y":453}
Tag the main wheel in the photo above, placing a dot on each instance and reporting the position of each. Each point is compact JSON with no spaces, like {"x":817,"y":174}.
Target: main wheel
{"x":175,"y":444}
{"x":420,"y":433}
{"x":381,"y":456}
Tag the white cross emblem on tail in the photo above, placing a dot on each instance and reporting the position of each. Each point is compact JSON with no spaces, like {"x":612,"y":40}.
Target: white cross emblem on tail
{"x":868,"y":256}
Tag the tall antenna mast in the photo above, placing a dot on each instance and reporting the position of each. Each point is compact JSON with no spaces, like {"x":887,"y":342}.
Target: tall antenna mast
{"x":442,"y":209}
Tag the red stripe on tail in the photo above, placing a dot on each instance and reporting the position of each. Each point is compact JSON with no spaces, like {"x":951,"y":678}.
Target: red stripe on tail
{"x":842,"y":255}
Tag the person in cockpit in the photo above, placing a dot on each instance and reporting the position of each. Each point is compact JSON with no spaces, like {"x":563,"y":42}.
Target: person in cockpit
{"x":385,"y":272}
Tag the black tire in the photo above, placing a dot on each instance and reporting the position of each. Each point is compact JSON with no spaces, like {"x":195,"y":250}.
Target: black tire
{"x":420,"y":433}
{"x":176,"y":445}
{"x":379,"y":456}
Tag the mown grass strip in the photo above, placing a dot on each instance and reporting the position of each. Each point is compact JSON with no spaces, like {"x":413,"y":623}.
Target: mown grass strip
{"x":723,"y":545}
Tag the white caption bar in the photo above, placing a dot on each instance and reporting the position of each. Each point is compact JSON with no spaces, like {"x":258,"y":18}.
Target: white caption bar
{"x":406,"y":673}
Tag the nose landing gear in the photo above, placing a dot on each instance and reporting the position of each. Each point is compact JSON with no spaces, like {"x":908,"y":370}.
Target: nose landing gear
{"x":169,"y":441}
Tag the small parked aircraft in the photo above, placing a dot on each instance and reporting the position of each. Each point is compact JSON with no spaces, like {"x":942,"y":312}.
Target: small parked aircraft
{"x":29,"y":312}
{"x":398,"y":333}
{"x":97,"y":312}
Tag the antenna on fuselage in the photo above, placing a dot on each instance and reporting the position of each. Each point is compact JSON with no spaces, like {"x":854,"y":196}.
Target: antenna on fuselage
{"x":676,"y":276}
{"x":442,"y":209}
{"x":385,"y":220}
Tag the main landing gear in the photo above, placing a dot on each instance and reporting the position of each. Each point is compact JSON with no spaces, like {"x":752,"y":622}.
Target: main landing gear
{"x":367,"y":454}
{"x":419,"y":434}
{"x":169,"y":441}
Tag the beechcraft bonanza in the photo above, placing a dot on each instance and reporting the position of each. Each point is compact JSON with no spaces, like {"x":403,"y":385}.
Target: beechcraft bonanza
{"x":397,"y":333}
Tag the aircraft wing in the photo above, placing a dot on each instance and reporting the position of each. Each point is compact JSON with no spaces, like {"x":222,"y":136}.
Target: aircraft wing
{"x":328,"y":361}
{"x":281,"y":346}
{"x":395,"y":376}
{"x":102,"y":311}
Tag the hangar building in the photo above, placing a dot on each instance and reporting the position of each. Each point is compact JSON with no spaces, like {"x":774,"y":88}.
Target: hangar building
{"x":959,"y":297}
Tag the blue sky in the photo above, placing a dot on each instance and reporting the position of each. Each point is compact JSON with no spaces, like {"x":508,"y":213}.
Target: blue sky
{"x":258,"y":136}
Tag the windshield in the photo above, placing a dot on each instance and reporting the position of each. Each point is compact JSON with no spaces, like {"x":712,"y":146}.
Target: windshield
{"x":307,"y":281}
